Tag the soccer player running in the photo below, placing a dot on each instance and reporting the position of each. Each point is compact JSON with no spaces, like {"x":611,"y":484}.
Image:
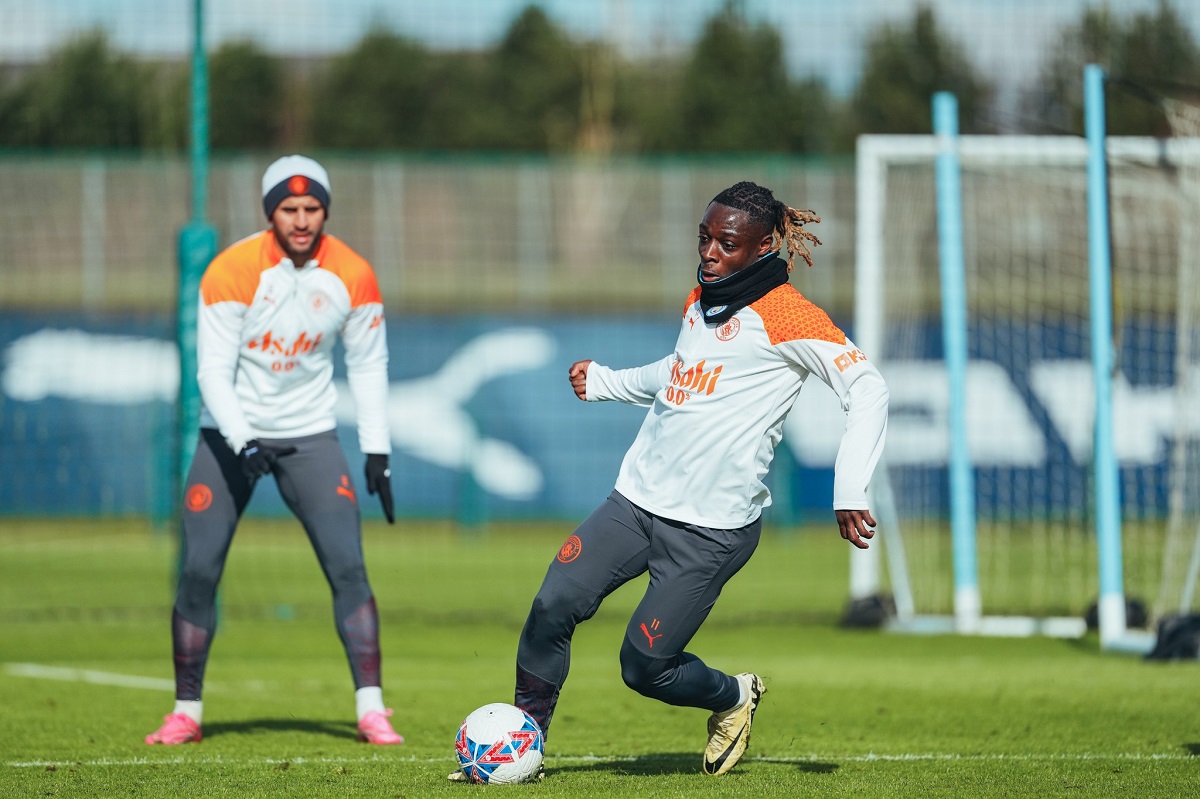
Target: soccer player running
{"x":271,"y":307}
{"x":687,"y":502}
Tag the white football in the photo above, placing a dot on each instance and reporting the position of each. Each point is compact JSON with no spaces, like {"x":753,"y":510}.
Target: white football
{"x":499,"y":744}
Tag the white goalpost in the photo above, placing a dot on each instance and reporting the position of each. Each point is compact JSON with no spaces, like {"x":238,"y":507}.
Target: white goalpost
{"x":1031,"y":302}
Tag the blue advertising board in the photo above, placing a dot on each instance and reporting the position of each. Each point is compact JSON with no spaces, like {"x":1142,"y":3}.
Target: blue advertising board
{"x":485,"y":425}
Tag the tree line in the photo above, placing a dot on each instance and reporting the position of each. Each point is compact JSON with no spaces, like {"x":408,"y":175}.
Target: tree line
{"x":540,"y":90}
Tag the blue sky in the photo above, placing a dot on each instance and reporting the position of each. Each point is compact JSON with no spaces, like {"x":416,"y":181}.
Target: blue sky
{"x":1006,"y":38}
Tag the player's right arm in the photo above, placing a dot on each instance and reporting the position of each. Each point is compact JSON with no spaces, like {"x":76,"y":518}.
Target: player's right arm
{"x":225,"y":297}
{"x":595,"y":382}
{"x":577,"y":374}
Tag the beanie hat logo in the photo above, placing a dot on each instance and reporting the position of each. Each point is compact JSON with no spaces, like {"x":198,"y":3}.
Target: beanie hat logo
{"x":294,"y":176}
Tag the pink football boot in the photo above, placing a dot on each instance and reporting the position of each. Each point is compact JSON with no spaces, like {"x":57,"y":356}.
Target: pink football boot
{"x":177,"y":728}
{"x":374,"y":728}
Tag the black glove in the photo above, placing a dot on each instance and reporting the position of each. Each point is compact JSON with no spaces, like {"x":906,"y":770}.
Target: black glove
{"x":379,"y":480}
{"x":258,"y":459}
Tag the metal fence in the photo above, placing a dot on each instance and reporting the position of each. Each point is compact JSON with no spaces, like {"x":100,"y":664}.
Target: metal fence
{"x":446,"y":235}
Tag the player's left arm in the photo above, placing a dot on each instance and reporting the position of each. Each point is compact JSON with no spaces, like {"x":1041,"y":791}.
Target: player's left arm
{"x":364,"y":337}
{"x":365,"y":341}
{"x":863,"y":395}
{"x":856,"y":526}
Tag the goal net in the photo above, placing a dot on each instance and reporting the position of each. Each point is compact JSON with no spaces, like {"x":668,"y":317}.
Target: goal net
{"x":1029,"y":387}
{"x":1181,"y":550}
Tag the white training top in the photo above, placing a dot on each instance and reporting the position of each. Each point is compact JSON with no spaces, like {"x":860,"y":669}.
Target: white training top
{"x":265,"y":339}
{"x":718,"y":403}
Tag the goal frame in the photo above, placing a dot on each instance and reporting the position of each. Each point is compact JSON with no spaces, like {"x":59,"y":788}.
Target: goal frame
{"x":875,"y":153}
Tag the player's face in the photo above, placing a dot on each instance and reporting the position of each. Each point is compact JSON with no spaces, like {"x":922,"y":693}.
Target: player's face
{"x":298,"y":222}
{"x":729,"y":242}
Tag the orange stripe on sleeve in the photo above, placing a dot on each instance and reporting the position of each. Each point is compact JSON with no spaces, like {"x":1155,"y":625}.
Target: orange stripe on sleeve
{"x":354,"y":271}
{"x":691,"y":300}
{"x":788,"y":316}
{"x":233,"y":275}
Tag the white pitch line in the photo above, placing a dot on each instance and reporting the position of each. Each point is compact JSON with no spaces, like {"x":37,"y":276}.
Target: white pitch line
{"x":1029,"y":757}
{"x":38,"y":671}
{"x":561,"y":759}
{"x":222,"y":761}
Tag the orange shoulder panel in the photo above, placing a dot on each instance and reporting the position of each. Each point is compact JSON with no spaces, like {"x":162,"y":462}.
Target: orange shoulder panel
{"x":353,"y":269}
{"x":788,"y":316}
{"x":233,"y":275}
{"x":691,"y":300}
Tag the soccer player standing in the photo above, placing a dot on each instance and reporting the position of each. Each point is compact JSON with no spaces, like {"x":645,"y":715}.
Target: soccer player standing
{"x":687,"y":502}
{"x":271,"y":307}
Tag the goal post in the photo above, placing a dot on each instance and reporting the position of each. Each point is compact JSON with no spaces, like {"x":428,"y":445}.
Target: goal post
{"x":1111,"y":603}
{"x":948,"y":180}
{"x":1054,"y":502}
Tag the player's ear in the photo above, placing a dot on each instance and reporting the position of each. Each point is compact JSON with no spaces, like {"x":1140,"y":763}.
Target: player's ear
{"x":764,"y":244}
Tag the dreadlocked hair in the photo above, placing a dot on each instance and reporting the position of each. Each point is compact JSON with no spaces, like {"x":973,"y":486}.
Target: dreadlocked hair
{"x":786,"y":223}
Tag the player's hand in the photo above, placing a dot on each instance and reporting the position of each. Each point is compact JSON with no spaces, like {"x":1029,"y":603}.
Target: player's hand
{"x":379,"y":481}
{"x":578,"y":375}
{"x":856,"y":526}
{"x":258,"y":459}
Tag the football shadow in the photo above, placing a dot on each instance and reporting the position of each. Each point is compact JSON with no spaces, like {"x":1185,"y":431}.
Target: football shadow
{"x":334,"y":729}
{"x":675,"y":763}
{"x":1193,"y":749}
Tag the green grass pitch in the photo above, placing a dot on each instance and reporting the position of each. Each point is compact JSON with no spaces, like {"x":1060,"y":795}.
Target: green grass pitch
{"x":85,"y":673}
